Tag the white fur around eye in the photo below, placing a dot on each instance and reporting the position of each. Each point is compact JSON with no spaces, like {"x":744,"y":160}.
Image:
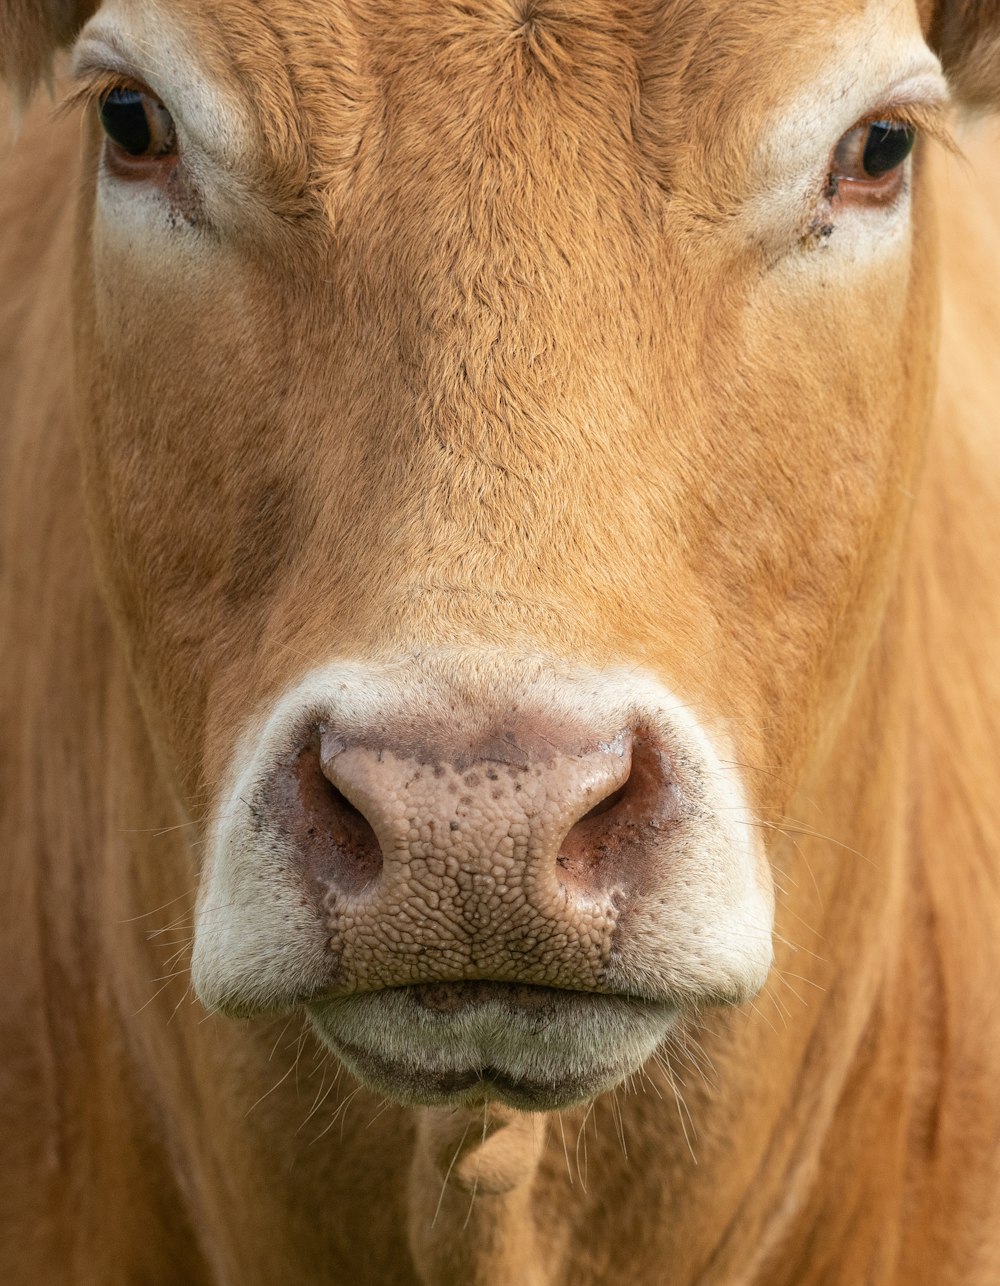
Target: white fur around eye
{"x":144,"y":40}
{"x":132,"y":213}
{"x":858,"y":75}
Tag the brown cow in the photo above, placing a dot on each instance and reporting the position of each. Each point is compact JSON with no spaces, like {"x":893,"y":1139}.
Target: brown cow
{"x":530,"y":572}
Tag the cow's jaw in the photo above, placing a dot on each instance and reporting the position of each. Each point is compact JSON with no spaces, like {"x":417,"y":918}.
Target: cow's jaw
{"x":494,"y":935}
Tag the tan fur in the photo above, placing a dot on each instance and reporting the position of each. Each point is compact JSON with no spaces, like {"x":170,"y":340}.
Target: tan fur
{"x":480,"y":355}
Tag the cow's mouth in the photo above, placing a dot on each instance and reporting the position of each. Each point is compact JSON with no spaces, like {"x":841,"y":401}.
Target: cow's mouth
{"x":531,"y":1047}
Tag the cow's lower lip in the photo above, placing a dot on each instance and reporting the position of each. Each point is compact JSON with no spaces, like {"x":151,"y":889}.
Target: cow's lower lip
{"x":531,"y":1047}
{"x":453,"y":997}
{"x":469,"y":1087}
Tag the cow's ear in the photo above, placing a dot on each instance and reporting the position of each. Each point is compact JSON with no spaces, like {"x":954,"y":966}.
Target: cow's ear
{"x":966,"y":35}
{"x":30,"y":33}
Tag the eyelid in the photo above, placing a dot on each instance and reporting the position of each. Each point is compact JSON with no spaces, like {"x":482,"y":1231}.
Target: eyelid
{"x":98,"y":66}
{"x":95,"y":58}
{"x":95,"y":85}
{"x":921,"y":101}
{"x":930,"y":119}
{"x":929,"y":88}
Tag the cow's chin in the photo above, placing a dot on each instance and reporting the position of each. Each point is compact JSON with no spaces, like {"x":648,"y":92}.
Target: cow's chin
{"x":534,"y":1048}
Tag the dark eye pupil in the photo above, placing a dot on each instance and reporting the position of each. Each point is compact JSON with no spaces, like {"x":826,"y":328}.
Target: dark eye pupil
{"x":887,"y":147}
{"x":124,"y":118}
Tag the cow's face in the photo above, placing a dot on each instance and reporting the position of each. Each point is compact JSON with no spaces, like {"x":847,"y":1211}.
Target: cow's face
{"x":499,"y":422}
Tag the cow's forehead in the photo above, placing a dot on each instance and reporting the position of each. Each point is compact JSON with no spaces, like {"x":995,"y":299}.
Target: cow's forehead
{"x":634,"y":23}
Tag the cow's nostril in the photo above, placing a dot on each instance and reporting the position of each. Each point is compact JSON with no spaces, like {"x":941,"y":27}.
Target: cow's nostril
{"x":606,"y":805}
{"x":344,"y":806}
{"x":604,"y":847}
{"x":450,"y":818}
{"x":337,"y":844}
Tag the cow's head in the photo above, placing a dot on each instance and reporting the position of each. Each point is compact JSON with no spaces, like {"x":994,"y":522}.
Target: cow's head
{"x":498,"y":423}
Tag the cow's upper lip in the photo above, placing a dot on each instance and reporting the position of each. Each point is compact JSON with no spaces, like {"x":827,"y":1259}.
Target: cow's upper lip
{"x":532,"y":1047}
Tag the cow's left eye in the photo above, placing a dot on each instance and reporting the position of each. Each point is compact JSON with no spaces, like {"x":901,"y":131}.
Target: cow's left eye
{"x":868,"y":160}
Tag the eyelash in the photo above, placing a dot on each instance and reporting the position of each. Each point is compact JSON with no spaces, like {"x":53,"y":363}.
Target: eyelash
{"x":926,"y":118}
{"x":95,"y":85}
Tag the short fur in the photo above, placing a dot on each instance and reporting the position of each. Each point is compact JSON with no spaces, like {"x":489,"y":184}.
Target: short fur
{"x":489,"y":361}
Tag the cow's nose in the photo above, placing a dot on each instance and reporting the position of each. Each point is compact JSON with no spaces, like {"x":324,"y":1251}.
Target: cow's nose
{"x":482,"y":817}
{"x":520,"y":827}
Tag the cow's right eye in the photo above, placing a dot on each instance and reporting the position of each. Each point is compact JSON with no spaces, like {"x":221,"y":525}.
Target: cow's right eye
{"x":137,"y":123}
{"x":868,"y":162}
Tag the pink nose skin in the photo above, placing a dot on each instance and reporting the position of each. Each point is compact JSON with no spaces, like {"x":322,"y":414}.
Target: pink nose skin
{"x":514,"y":859}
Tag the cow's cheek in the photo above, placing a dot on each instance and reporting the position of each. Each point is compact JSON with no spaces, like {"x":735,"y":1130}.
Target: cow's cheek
{"x":843,"y":374}
{"x":189,"y":503}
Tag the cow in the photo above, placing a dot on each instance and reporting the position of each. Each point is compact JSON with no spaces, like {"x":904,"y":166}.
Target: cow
{"x":501,"y":550}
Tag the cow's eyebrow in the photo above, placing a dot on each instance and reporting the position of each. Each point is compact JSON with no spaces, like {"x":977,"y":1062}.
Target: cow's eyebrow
{"x":102,"y":53}
{"x":924,"y":85}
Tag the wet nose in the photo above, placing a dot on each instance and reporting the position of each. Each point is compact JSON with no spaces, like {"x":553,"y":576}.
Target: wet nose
{"x":483,"y":861}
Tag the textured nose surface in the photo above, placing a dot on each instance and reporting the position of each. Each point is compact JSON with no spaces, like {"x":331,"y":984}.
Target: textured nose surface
{"x":511,"y":860}
{"x":480,"y":818}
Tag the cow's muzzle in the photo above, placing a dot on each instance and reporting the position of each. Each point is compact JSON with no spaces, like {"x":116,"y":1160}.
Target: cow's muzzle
{"x":503,"y":889}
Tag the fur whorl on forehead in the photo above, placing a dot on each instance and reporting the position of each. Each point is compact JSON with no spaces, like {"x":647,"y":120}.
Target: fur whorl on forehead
{"x":966,"y":35}
{"x":31,"y":31}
